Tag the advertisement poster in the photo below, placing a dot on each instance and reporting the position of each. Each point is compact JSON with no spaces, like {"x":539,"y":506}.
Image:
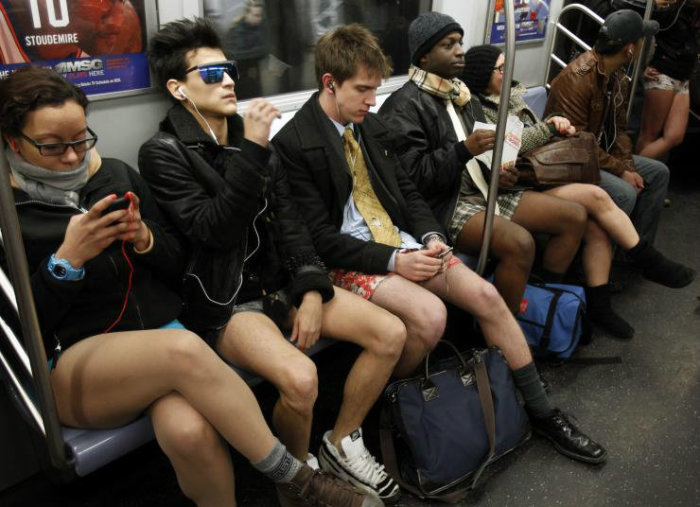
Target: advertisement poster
{"x":99,"y":45}
{"x":531,"y":17}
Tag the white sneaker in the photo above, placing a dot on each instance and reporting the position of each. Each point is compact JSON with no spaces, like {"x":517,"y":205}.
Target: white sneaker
{"x":358,"y":467}
{"x":312,"y":461}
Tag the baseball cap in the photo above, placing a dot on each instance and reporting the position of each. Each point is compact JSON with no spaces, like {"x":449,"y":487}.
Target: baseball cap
{"x":625,"y":26}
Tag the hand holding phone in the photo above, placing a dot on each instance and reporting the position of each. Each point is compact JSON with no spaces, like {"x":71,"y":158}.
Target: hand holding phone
{"x":117,"y":204}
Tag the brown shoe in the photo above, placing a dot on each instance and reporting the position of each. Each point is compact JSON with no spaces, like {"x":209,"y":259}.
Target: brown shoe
{"x":314,"y":488}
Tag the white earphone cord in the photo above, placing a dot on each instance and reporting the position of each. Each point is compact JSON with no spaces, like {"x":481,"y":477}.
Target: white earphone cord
{"x":211,"y":131}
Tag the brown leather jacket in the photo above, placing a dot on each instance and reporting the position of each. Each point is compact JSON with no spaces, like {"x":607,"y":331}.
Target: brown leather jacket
{"x":584,"y":94}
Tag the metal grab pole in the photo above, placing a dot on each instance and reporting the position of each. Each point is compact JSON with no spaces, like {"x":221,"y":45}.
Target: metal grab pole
{"x":500,"y":135}
{"x":17,"y":262}
{"x":638,"y":63}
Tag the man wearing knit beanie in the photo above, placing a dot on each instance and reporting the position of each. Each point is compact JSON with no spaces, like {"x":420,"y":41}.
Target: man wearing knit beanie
{"x":427,"y":30}
{"x":432,"y":117}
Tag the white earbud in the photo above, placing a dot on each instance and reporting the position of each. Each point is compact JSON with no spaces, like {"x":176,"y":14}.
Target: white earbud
{"x":181,"y":92}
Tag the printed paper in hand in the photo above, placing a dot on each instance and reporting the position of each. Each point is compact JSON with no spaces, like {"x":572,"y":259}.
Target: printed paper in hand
{"x":511,"y":143}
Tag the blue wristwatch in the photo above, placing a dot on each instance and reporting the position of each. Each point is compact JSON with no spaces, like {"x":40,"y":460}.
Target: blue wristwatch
{"x":61,"y":269}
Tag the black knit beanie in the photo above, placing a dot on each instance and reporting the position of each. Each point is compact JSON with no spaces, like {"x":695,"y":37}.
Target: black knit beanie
{"x":426,"y":30}
{"x":479,"y":62}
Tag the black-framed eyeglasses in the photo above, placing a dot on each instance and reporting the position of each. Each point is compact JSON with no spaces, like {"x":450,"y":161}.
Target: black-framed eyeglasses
{"x":214,"y":72}
{"x":57,"y":149}
{"x":500,"y":68}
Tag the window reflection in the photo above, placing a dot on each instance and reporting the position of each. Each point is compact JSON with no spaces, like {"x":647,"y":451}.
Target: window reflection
{"x":273,"y":40}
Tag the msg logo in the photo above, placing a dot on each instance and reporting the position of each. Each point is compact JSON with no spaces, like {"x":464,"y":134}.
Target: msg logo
{"x":79,"y":66}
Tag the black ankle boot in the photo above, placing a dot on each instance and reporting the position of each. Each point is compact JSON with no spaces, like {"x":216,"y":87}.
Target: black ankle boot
{"x":657,"y":268}
{"x":600,"y":312}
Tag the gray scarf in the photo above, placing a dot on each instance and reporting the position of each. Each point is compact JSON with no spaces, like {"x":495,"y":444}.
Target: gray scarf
{"x":57,"y":187}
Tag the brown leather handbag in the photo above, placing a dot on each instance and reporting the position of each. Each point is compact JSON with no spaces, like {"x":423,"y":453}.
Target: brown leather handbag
{"x":563,"y":160}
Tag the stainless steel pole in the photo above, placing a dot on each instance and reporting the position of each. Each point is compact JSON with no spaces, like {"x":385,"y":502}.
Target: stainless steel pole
{"x":500,"y":135}
{"x":638,"y":63}
{"x":19,"y":273}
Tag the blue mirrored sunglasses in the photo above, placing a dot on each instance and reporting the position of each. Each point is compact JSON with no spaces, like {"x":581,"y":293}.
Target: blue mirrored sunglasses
{"x":214,"y":72}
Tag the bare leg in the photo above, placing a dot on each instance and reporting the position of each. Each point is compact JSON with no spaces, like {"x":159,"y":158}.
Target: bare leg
{"x":422,"y":313}
{"x":254,"y":342}
{"x":514,"y":248}
{"x":465,"y":289}
{"x":200,"y":458}
{"x":605,"y":220}
{"x":349,"y":317}
{"x":596,"y":256}
{"x":602,"y":209}
{"x":468,"y":291}
{"x":662,"y":108}
{"x":108,"y":380}
{"x":564,"y":221}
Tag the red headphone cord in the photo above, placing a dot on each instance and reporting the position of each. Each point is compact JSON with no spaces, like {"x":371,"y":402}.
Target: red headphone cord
{"x":128,"y":289}
{"x":128,"y":286}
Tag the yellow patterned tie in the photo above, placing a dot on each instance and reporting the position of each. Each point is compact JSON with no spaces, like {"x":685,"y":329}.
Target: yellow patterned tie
{"x":378,"y":220}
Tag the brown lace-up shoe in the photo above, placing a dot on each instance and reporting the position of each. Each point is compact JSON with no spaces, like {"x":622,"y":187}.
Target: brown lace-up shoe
{"x":316,"y":489}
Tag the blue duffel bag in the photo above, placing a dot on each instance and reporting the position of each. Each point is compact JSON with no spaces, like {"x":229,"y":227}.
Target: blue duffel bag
{"x":552,"y":318}
{"x":440,"y":430}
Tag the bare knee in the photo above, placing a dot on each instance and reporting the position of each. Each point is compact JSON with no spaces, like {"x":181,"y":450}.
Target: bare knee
{"x":191,"y":439}
{"x":430,"y":321}
{"x":517,"y":247}
{"x":299,"y":385}
{"x":390,"y":338}
{"x":675,"y":138}
{"x":598,"y":200}
{"x":488,"y":301}
{"x":188,"y":354}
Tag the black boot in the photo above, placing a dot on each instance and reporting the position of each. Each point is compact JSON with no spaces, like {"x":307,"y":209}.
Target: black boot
{"x":567,"y":438}
{"x":600,"y":312}
{"x":659,"y":269}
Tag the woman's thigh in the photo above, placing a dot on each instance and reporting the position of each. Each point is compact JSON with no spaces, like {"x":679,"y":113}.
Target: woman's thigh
{"x":677,"y":119}
{"x":109,"y":379}
{"x":538,"y":212}
{"x":470,"y":239}
{"x":587,"y":195}
{"x":657,"y":104}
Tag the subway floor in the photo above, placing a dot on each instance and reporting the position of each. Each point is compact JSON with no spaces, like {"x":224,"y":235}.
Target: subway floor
{"x":645,"y":409}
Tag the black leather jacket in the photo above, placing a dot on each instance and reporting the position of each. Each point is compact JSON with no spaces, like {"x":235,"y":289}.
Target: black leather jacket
{"x":69,"y":311}
{"x":231,"y":203}
{"x":427,"y":144}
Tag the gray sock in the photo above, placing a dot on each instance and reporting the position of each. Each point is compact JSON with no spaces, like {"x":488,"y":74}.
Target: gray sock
{"x":527,"y":380}
{"x":279,"y":465}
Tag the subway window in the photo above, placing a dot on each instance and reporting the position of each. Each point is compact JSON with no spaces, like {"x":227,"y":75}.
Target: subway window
{"x":273,"y":40}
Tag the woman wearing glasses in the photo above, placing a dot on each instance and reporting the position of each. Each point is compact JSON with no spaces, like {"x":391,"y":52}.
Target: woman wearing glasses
{"x":484,"y":76}
{"x":103,"y":283}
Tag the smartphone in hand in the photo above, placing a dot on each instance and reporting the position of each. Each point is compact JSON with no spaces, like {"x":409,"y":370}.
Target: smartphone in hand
{"x":117,"y":204}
